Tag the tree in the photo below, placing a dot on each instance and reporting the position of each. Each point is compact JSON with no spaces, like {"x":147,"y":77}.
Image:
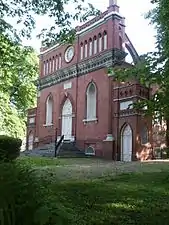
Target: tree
{"x":153,"y":68}
{"x":19,"y":64}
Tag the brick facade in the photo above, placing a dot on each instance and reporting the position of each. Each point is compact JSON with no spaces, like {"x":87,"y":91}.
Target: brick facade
{"x":77,"y":75}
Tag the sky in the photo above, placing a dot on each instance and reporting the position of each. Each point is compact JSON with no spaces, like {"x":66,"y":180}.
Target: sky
{"x":137,"y":27}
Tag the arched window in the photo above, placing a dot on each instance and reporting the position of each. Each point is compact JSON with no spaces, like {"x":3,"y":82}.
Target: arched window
{"x":30,"y":141}
{"x":47,"y":67}
{"x":90,"y":47}
{"x":81,"y":51}
{"x":86,"y":49}
{"x":53,"y":64}
{"x":50,"y":66}
{"x":91,"y":101}
{"x":120,"y":43}
{"x":44,"y":68}
{"x":105,"y":41}
{"x":49,"y":110}
{"x":56,"y":63}
{"x":60,"y":61}
{"x":100,"y":42}
{"x":95,"y":45}
{"x":144,"y":135}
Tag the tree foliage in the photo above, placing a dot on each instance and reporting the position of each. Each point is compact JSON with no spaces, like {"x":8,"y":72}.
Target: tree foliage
{"x":19,"y":64}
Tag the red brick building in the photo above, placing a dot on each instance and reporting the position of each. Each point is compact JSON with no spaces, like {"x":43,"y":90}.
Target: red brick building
{"x":77,"y":97}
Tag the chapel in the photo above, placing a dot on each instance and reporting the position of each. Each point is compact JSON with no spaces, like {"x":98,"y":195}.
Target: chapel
{"x":79,"y":99}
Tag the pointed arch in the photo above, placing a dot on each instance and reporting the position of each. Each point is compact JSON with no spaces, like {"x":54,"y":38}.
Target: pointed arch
{"x":49,"y":110}
{"x":81,"y":51}
{"x":85,"y":49}
{"x":105,"y":40}
{"x":90,"y":47}
{"x":95,"y":44}
{"x":100,"y":42}
{"x":91,"y":101}
{"x":126,"y":143}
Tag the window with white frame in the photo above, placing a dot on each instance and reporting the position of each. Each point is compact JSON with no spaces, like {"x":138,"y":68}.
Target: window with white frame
{"x":126,"y":105}
{"x":81,"y":51}
{"x":56,"y":63}
{"x":100,"y":42}
{"x":44,"y":68}
{"x":31,"y":120}
{"x":86,"y":49}
{"x":90,"y":47}
{"x":95,"y":45}
{"x":60,"y":61}
{"x":50,"y":66}
{"x":91,"y":102}
{"x":105,"y":40}
{"x":49,"y":110}
{"x":47,"y":67}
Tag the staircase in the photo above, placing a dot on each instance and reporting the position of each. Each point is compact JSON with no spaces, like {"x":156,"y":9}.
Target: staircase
{"x":65,"y":149}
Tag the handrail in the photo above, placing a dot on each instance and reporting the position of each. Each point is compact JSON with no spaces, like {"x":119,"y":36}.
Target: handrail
{"x":57,"y":145}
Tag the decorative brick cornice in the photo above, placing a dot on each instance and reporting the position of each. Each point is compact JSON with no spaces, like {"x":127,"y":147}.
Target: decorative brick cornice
{"x":104,"y":60}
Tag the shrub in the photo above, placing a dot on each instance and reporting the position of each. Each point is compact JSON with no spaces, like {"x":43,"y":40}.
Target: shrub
{"x":9,"y":148}
{"x":27,"y":199}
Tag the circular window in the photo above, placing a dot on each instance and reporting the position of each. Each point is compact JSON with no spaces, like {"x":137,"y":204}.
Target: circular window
{"x":69,"y":54}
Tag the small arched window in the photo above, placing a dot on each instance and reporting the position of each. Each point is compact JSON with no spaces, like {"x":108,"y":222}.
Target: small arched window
{"x":120,"y":43}
{"x":90,"y":47}
{"x":50,"y":66}
{"x":56,"y":62}
{"x":49,"y":110}
{"x":47,"y":67}
{"x":91,"y":101}
{"x":105,"y":40}
{"x":95,"y":44}
{"x":100,"y":42}
{"x":53,"y":64}
{"x":44,"y":68}
{"x":60,"y":61}
{"x":86,"y":49}
{"x":81,"y":51}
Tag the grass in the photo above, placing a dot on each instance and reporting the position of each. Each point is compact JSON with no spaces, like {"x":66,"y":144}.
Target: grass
{"x":126,"y":199}
{"x":95,"y":192}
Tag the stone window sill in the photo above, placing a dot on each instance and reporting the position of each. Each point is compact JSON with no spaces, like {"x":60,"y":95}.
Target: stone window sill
{"x":90,"y":120}
{"x":48,"y":125}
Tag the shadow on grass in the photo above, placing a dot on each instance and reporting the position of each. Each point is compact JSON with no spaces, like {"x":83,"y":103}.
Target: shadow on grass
{"x":126,"y":199}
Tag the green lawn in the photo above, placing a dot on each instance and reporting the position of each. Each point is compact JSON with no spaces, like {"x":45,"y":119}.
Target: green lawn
{"x":96,"y":192}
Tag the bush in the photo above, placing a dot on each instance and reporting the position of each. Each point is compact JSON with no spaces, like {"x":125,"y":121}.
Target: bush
{"x":26,"y":199}
{"x":9,"y":148}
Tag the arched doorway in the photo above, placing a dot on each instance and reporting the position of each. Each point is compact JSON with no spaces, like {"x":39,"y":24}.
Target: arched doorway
{"x":30,"y":141}
{"x":126,"y":144}
{"x":67,"y":120}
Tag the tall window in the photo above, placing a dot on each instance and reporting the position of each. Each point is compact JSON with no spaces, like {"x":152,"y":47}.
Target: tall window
{"x":49,"y":110}
{"x":95,"y":45}
{"x":81,"y":51}
{"x":105,"y":40}
{"x":120,"y":43}
{"x":100,"y":42}
{"x":44,"y":68}
{"x":47,"y":67}
{"x":91,"y":101}
{"x":56,"y":63}
{"x":53,"y":64}
{"x":86,"y":49}
{"x":144,"y":135}
{"x":90,"y":47}
{"x":50,"y":66}
{"x":60,"y":61}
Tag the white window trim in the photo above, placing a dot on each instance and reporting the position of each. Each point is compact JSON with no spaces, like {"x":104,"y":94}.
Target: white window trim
{"x":90,"y":48}
{"x":100,"y":44}
{"x":105,"y":41}
{"x":81,"y":52}
{"x":95,"y":46}
{"x":86,"y":50}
